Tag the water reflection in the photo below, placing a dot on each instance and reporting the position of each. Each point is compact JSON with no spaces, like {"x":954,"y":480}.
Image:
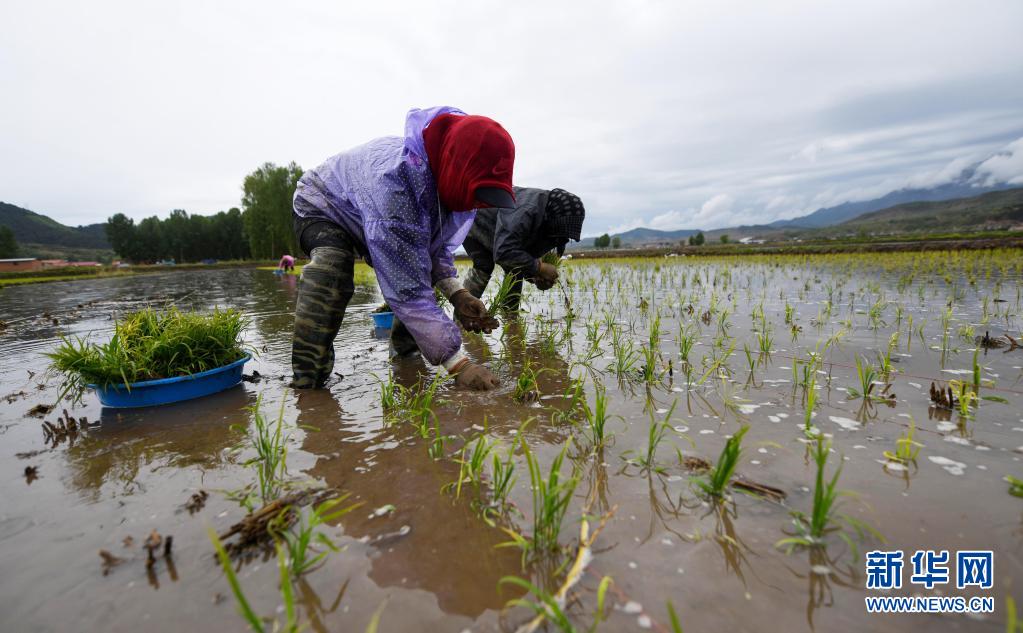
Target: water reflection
{"x":822,"y":574}
{"x":428,"y":541}
{"x":127,"y":441}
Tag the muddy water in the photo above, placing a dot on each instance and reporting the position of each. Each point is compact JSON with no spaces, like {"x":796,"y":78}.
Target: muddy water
{"x":431,"y":561}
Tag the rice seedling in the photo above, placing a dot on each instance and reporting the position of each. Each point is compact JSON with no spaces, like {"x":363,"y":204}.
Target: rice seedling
{"x":549,"y":336}
{"x":906,"y":448}
{"x":676,"y":626}
{"x":552,"y":258}
{"x":1012,"y":622}
{"x":976,"y":370}
{"x":824,"y":518}
{"x":506,"y":295}
{"x":473,"y":459}
{"x":751,"y":360}
{"x":964,"y":397}
{"x":730,"y":397}
{"x":244,"y":608}
{"x":597,"y":417}
{"x":651,"y":370}
{"x":876,"y":312}
{"x":546,"y":605}
{"x":625,"y":359}
{"x":576,"y":396}
{"x":808,"y":410}
{"x":550,"y":607}
{"x":269,"y":441}
{"x":715,"y":482}
{"x":716,"y":364}
{"x":413,"y":404}
{"x":765,"y":341}
{"x":527,"y":388}
{"x":301,"y":537}
{"x":868,"y":381}
{"x":148,"y":345}
{"x":502,"y":477}
{"x":647,"y":460}
{"x":946,"y":319}
{"x":255,"y":622}
{"x":551,"y":497}
{"x":1015,"y":485}
{"x":686,"y":340}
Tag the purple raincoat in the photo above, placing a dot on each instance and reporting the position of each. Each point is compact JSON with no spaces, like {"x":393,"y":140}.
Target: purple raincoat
{"x":384,"y":195}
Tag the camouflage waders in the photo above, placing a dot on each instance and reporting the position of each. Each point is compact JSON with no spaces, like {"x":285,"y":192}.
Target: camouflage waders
{"x":324,"y":290}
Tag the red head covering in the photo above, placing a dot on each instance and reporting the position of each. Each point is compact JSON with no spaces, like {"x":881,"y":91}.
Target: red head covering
{"x":467,"y":152}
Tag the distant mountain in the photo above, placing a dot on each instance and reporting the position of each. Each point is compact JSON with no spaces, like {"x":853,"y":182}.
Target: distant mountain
{"x":642,"y":236}
{"x":31,"y":228}
{"x":998,"y":210}
{"x":962,"y":187}
{"x":994,"y":210}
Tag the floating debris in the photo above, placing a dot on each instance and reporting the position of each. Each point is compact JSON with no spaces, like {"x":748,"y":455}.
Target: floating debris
{"x":39,"y":410}
{"x":254,"y":377}
{"x":151,"y":544}
{"x":109,"y":561}
{"x":943,"y":397}
{"x":197,"y":501}
{"x":11,"y":397}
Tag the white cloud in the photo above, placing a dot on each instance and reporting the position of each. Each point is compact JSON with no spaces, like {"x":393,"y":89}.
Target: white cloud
{"x":1005,"y":166}
{"x":716,"y":212}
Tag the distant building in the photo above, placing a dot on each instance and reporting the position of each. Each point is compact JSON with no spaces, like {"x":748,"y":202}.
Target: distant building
{"x":19,"y":264}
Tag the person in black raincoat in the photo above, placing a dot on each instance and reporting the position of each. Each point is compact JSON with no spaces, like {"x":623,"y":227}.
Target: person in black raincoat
{"x":515,"y":239}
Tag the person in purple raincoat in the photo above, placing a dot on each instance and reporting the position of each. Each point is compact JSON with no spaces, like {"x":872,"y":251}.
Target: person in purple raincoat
{"x":405,"y":205}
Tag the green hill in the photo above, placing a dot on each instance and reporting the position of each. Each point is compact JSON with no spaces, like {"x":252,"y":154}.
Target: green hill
{"x":998,"y":210}
{"x":40,"y":236}
{"x":32,"y":228}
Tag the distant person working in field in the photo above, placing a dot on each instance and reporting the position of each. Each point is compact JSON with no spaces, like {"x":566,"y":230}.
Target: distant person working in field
{"x":287,"y":264}
{"x":515,"y":239}
{"x":404,"y":204}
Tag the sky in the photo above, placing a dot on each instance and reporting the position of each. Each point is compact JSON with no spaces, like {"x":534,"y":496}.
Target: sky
{"x":665,"y":114}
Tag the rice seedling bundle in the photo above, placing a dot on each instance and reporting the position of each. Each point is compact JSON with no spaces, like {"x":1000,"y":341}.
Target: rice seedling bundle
{"x":151,"y":344}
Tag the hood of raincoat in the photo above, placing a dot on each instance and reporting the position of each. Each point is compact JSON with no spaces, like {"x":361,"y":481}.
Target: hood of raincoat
{"x":467,"y":152}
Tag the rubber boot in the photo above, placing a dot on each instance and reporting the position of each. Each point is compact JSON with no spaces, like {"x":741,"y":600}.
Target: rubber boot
{"x":324,"y":290}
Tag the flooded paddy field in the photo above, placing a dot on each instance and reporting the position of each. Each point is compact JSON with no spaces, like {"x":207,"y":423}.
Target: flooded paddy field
{"x":620,"y":391}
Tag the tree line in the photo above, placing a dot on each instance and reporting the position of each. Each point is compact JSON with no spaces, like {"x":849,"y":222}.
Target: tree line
{"x":8,"y":245}
{"x":261,"y":229}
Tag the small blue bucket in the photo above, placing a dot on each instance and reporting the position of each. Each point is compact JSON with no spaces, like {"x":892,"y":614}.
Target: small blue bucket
{"x":151,"y":393}
{"x":383,"y":320}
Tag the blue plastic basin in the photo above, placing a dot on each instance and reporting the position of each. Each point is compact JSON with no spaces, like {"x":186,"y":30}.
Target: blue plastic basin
{"x":383,"y":320}
{"x":151,"y":393}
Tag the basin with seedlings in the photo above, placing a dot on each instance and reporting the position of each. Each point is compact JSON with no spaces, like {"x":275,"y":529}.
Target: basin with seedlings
{"x":156,"y":357}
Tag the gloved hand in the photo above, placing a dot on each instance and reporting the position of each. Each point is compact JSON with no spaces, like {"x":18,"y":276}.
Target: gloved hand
{"x":472,"y":313}
{"x":472,"y":376}
{"x":546,"y":275}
